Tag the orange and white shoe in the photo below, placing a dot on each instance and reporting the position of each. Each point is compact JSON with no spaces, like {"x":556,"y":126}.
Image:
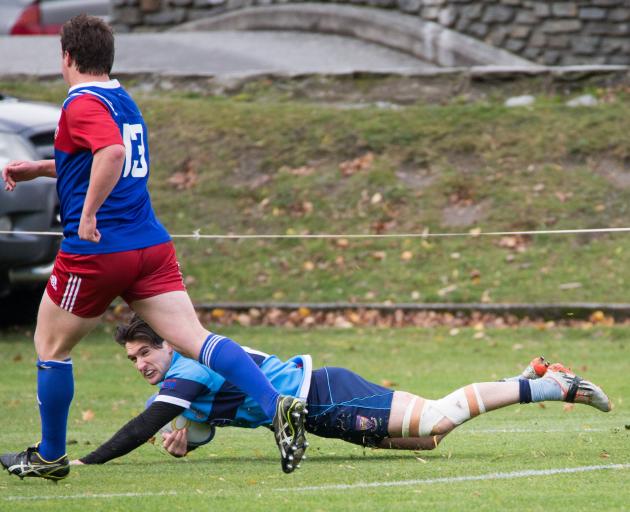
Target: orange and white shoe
{"x":577,"y":390}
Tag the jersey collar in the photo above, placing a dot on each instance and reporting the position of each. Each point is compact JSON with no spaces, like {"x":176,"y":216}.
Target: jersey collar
{"x":176,"y":356}
{"x":111,"y":84}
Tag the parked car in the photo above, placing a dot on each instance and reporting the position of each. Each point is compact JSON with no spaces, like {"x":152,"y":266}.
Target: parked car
{"x":29,"y":17}
{"x":27,"y":133}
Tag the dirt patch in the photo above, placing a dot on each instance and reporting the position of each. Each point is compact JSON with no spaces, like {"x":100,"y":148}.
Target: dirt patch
{"x":248,"y":173}
{"x":461,"y":216}
{"x":615,"y":171}
{"x":464,"y":163}
{"x":416,"y":178}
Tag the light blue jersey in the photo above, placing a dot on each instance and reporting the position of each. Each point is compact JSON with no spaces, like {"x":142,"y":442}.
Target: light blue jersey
{"x":209,"y":398}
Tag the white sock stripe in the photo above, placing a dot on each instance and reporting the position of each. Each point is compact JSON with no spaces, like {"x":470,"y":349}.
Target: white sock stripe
{"x":202,"y":356}
{"x":75,"y":294}
{"x":204,"y":351}
{"x":207,"y":353}
{"x":480,"y":404}
{"x":218,"y":337}
{"x":407,"y":417}
{"x":210,"y":349}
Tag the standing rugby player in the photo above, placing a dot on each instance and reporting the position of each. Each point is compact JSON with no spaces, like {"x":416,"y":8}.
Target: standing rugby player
{"x":115,"y":246}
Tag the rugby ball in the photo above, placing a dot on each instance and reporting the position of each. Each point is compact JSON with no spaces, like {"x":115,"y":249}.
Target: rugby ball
{"x":198,"y":433}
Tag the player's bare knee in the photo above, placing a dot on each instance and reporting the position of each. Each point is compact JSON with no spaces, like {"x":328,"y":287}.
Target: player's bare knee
{"x":51,"y":347}
{"x":51,"y":351}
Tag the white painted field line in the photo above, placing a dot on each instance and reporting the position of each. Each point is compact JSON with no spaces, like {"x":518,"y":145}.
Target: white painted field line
{"x":454,"y":479}
{"x":90,"y":496}
{"x":359,"y":485}
{"x":530,"y":430}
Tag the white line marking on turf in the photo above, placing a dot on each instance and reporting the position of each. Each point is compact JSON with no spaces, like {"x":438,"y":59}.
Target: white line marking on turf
{"x":529,"y":430}
{"x":453,"y":479}
{"x":91,"y":496}
{"x":359,"y":485}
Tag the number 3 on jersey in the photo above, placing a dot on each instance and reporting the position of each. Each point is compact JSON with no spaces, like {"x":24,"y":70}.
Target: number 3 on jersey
{"x":135,"y":161}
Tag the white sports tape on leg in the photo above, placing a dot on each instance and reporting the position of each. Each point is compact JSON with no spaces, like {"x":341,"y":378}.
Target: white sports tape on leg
{"x":455,"y":407}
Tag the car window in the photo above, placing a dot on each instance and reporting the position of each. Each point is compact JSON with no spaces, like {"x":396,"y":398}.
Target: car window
{"x":14,"y":147}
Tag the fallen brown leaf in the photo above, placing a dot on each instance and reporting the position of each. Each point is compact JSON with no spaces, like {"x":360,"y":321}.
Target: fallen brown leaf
{"x":361,"y":163}
{"x":185,"y":178}
{"x":379,"y":255}
{"x":87,"y":415}
{"x":305,"y":170}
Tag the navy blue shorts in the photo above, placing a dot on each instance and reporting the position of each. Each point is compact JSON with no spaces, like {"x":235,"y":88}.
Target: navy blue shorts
{"x":343,"y":405}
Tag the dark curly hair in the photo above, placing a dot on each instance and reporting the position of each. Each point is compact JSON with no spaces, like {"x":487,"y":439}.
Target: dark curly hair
{"x":90,"y":43}
{"x":136,"y":330}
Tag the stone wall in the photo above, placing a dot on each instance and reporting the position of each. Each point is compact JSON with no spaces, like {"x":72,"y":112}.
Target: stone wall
{"x":545,"y":32}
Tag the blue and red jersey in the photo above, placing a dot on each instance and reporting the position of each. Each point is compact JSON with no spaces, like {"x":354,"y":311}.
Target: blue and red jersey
{"x":96,"y":115}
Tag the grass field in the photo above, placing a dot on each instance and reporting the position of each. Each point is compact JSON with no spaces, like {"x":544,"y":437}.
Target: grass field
{"x":475,"y":467}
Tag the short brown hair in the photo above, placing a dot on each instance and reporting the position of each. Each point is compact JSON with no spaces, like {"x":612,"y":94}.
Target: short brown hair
{"x":90,"y":43}
{"x":137,"y":330}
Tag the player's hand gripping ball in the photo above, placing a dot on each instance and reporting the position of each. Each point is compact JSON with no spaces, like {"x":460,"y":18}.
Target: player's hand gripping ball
{"x":198,"y":433}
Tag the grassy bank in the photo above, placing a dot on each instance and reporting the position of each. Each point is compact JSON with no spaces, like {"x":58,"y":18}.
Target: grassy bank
{"x":263,"y":163}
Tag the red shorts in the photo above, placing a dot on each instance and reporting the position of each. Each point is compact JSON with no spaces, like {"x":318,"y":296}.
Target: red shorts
{"x":86,"y":284}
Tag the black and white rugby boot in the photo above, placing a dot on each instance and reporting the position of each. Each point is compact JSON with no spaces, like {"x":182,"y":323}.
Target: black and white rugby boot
{"x":30,"y":463}
{"x":288,"y":429}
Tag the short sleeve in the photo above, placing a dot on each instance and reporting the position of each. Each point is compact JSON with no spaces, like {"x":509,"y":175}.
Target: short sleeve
{"x":90,"y":124}
{"x":180,"y":392}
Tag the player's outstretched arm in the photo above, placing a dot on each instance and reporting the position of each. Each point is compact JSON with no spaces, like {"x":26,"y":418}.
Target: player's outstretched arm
{"x":135,"y":433}
{"x":26,"y":170}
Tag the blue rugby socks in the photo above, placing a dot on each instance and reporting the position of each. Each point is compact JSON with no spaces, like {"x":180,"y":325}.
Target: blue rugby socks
{"x":538,"y":390}
{"x":55,"y":389}
{"x":228,"y":359}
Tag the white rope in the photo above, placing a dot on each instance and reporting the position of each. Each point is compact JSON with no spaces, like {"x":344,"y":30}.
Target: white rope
{"x":196,"y":235}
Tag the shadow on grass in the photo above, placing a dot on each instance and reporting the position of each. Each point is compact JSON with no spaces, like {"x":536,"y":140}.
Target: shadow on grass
{"x":312,"y":459}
